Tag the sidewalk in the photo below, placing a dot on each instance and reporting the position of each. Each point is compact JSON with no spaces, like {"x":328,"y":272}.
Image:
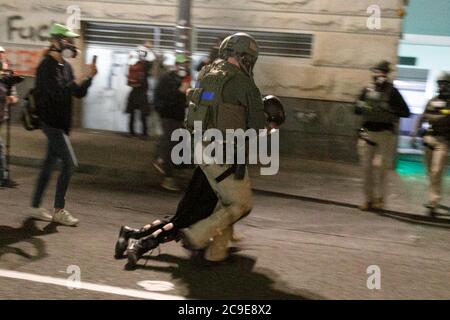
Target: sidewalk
{"x":113,"y":154}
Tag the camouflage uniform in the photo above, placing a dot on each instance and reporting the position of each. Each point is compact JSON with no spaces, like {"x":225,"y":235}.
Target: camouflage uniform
{"x":436,"y":141}
{"x":226,"y":98}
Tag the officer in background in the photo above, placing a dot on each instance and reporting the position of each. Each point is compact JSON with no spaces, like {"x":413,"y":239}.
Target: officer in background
{"x":434,"y":126}
{"x":5,"y":99}
{"x":226,"y":97}
{"x":380,"y":105}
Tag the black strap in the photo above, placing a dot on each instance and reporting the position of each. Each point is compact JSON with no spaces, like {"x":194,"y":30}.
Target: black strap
{"x":429,"y":146}
{"x":226,"y":173}
{"x":370,"y":142}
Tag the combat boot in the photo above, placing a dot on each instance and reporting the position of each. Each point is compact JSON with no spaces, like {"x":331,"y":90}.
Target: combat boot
{"x":127,"y":233}
{"x":137,"y":248}
{"x":378,"y":204}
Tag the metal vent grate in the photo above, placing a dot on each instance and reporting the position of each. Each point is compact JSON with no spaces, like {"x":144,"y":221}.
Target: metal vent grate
{"x":298,"y":45}
{"x":121,"y":34}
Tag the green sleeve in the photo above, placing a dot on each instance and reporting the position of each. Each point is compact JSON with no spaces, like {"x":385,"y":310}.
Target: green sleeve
{"x":256,"y":116}
{"x":241,"y":90}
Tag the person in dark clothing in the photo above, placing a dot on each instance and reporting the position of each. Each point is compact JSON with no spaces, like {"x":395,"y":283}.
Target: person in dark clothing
{"x":138,"y":99}
{"x":8,"y":98}
{"x":197,"y":203}
{"x":54,"y":88}
{"x":380,"y":105}
{"x":170,"y":103}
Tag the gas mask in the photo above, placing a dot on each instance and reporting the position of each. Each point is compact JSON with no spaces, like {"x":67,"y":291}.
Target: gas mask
{"x":67,"y":49}
{"x":247,"y":63}
{"x":379,"y":80}
{"x":182,"y":72}
{"x":444,"y":90}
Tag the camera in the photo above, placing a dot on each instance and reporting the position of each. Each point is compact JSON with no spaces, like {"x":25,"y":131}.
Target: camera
{"x":9,"y":79}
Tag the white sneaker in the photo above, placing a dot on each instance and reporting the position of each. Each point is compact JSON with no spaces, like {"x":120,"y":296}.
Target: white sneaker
{"x":41,"y":214}
{"x":64,"y":217}
{"x":159,"y":165}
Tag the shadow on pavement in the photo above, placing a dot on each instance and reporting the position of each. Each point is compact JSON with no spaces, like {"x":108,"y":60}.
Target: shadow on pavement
{"x":236,"y":279}
{"x":10,"y":236}
{"x":439,"y":220}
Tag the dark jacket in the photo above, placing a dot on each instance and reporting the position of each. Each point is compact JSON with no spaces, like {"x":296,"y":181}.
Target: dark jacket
{"x":55,"y":86}
{"x":138,"y":99}
{"x":170,"y":102}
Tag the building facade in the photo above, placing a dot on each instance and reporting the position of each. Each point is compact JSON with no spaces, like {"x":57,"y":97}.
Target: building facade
{"x":316,"y":54}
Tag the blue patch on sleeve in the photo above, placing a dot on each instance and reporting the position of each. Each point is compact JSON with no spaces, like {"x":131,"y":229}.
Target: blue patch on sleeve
{"x":208,"y":95}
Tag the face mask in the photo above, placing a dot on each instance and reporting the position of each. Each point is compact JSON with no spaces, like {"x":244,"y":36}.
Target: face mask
{"x":444,"y":91}
{"x":379,"y":80}
{"x":182,"y":72}
{"x":68,"y":53}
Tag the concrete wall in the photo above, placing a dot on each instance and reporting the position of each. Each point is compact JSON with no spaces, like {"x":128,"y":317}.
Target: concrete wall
{"x":344,"y":48}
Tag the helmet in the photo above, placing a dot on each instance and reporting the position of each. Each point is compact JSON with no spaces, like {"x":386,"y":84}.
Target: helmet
{"x":444,"y":77}
{"x":274,"y":110}
{"x":62,"y":31}
{"x":181,"y":58}
{"x":2,"y":49}
{"x":384,"y":66}
{"x":243,"y":47}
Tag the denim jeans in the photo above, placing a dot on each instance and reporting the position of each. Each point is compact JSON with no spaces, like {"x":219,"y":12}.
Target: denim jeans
{"x":59,"y":147}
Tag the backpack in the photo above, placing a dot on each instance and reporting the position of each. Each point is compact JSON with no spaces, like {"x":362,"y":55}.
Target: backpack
{"x":30,"y":118}
{"x":136,"y":74}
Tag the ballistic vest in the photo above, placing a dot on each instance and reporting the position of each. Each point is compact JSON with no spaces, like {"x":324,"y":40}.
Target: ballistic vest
{"x":206,"y":100}
{"x":439,"y":110}
{"x":378,"y":103}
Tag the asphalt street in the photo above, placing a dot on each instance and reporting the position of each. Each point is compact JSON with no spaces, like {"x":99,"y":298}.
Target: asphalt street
{"x":291,"y":249}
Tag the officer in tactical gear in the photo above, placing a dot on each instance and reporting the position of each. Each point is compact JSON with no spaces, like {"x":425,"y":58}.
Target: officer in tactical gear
{"x":225,"y":97}
{"x":380,"y":105}
{"x":198,"y":203}
{"x":434,"y":126}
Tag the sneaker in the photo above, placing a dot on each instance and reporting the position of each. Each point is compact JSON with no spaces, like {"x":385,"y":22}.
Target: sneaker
{"x":41,"y":214}
{"x":8,"y":183}
{"x":159,"y":165}
{"x":65,"y":218}
{"x":169,"y":184}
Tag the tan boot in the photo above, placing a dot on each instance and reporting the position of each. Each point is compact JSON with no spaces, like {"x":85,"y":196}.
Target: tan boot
{"x":366,"y":206}
{"x":378,"y":204}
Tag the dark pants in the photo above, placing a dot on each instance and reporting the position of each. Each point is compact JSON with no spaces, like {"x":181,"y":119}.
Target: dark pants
{"x":165,"y":145}
{"x":143,"y":120}
{"x":3,"y":164}
{"x":59,"y":147}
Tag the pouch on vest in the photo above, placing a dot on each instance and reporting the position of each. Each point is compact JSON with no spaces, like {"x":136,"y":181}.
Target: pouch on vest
{"x":205,"y":102}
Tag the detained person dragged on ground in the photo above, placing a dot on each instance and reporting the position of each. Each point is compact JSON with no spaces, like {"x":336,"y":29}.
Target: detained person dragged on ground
{"x":219,"y":195}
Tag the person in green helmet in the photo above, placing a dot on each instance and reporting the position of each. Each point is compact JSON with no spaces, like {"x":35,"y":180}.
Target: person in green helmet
{"x":434,"y":126}
{"x":55,"y":87}
{"x":170,"y":103}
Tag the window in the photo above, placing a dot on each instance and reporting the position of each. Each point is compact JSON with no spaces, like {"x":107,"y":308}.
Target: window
{"x":297,"y":45}
{"x":129,"y":34}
